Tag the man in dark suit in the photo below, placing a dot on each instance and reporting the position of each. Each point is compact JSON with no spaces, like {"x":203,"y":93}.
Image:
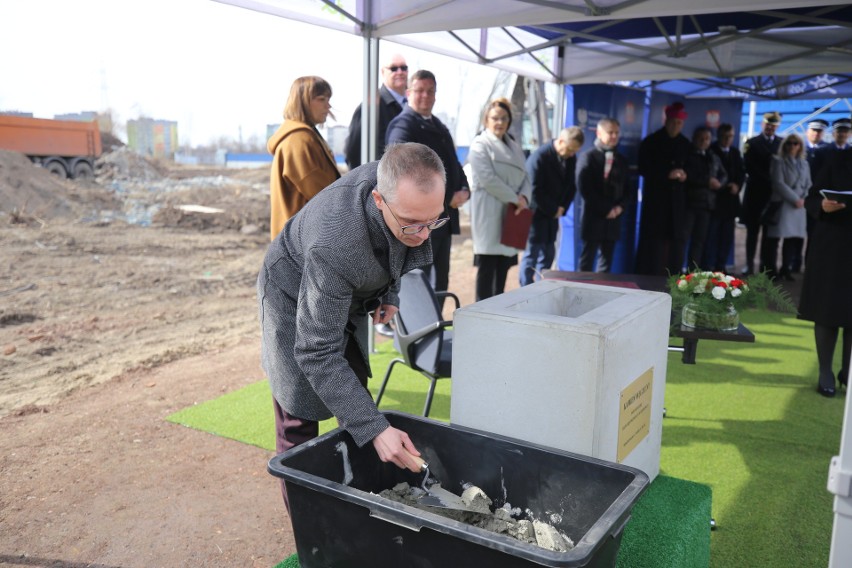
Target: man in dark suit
{"x":757,"y":156}
{"x":391,"y":101}
{"x":551,"y":169}
{"x":417,"y":124}
{"x":720,"y":233}
{"x":603,"y":180}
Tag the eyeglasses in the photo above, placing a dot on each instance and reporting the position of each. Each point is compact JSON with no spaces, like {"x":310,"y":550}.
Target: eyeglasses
{"x":415,"y":228}
{"x":395,"y":68}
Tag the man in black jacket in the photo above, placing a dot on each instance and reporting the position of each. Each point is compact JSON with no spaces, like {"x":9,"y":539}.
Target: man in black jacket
{"x":417,"y":124}
{"x":720,"y":233}
{"x":551,"y":169}
{"x":604,"y":182}
{"x":391,"y":101}
{"x":757,"y":156}
{"x":662,"y":157}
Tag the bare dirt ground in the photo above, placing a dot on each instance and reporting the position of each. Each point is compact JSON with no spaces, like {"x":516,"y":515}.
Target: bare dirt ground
{"x":118,"y":308}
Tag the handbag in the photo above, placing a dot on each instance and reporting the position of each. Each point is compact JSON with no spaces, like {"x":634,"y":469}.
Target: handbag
{"x":516,"y":228}
{"x":771,"y":214}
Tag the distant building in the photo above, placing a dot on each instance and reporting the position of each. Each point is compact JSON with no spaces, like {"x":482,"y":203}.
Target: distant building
{"x":85,"y":116}
{"x":270,"y":130}
{"x":153,"y":138}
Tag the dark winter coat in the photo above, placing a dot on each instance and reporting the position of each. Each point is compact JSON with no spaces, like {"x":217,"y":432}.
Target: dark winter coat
{"x":388,"y":108}
{"x":825,"y":295}
{"x":757,"y":157}
{"x":409,"y":126}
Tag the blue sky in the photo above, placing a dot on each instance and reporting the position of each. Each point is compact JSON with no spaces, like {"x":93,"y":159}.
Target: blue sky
{"x":216,"y":69}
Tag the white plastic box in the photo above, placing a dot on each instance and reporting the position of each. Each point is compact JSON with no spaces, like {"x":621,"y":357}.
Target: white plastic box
{"x":578,"y":367}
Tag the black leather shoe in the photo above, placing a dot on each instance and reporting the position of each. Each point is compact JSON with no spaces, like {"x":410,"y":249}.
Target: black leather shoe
{"x":826,"y":391}
{"x":843,"y":378}
{"x":787,"y":276}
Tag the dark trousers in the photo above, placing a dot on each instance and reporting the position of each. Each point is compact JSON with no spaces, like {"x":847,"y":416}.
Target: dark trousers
{"x":590,"y":250}
{"x":720,"y":239}
{"x":491,"y":274}
{"x":695,"y":224}
{"x":755,"y":231}
{"x":769,"y":254}
{"x":659,"y":256}
{"x":826,"y":340}
{"x":291,"y":431}
{"x":441,"y":244}
{"x":541,"y":248}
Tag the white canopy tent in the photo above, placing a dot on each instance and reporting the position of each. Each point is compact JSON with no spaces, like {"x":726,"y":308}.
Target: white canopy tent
{"x":764,"y":48}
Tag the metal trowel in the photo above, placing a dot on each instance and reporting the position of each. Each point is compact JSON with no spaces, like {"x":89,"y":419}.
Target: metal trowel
{"x":438,"y":497}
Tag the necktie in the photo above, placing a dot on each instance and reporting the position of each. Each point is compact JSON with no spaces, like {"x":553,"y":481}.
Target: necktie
{"x":608,"y":163}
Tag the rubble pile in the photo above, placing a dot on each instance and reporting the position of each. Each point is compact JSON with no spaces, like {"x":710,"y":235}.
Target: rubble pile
{"x":27,"y":190}
{"x":125,"y":164}
{"x":512,"y":522}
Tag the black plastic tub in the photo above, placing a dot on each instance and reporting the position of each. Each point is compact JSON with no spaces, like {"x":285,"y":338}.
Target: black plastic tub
{"x":340,"y":521}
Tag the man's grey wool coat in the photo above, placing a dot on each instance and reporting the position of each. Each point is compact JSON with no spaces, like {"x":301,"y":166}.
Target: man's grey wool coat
{"x":334,"y":261}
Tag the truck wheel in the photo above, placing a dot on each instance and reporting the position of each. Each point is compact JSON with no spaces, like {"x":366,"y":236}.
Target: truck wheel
{"x":57,"y":169}
{"x":83,"y":170}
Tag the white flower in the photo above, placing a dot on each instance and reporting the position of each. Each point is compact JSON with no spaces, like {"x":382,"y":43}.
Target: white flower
{"x":718,"y":292}
{"x":736,"y":293}
{"x":682,"y":284}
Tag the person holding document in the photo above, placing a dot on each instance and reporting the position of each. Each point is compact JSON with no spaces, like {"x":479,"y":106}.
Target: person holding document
{"x":499,"y":178}
{"x":826,"y":296}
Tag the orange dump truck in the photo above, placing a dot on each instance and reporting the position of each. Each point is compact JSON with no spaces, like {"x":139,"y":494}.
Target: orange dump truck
{"x":65,"y":148}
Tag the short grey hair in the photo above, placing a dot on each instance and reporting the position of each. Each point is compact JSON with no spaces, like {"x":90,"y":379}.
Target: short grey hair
{"x":409,"y":160}
{"x":608,"y":121}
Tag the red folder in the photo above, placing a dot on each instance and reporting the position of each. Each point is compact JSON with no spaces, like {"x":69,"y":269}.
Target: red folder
{"x":516,"y":228}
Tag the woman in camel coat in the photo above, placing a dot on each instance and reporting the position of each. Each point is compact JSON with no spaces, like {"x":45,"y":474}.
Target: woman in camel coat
{"x":302,"y":163}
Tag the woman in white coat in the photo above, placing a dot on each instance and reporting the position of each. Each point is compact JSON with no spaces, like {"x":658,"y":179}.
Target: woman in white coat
{"x":499,"y":178}
{"x":791,"y":180}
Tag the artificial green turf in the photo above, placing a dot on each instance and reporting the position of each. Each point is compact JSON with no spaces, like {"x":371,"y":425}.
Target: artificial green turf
{"x":745,"y":421}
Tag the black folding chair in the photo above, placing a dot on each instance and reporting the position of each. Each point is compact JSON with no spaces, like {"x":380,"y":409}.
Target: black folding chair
{"x":420,"y":335}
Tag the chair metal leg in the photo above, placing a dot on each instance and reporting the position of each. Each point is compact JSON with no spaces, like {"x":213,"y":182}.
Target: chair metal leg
{"x":385,"y":382}
{"x":429,"y":397}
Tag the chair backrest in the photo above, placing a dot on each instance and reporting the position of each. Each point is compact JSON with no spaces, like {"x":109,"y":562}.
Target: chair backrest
{"x":418,"y":307}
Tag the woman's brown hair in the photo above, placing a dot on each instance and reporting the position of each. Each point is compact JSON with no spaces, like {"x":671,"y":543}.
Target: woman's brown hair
{"x":301,"y":92}
{"x":502,"y":103}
